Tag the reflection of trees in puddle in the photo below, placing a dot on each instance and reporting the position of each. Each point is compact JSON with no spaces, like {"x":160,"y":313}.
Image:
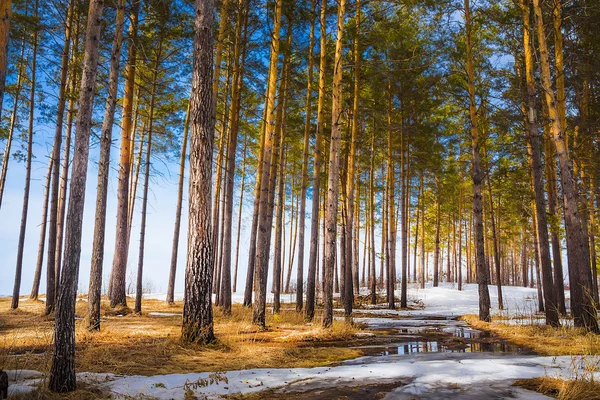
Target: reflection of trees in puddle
{"x":434,"y":346}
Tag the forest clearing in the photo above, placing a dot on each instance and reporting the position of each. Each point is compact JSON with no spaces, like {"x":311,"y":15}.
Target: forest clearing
{"x":313,"y":199}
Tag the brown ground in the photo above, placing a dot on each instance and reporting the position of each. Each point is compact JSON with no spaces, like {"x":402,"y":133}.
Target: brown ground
{"x":148,"y":345}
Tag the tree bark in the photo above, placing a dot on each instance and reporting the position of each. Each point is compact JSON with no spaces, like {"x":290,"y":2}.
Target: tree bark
{"x":119,"y":267}
{"x":175,"y":248}
{"x":238,"y":70}
{"x":25,"y":210}
{"x":62,"y":371}
{"x":316,"y":187}
{"x":53,"y":269}
{"x":197,"y":324}
{"x":95,"y":286}
{"x":5,"y":16}
{"x":139,"y":280}
{"x":40,"y":258}
{"x":482,"y":271}
{"x":307,"y":128}
{"x":534,"y":149}
{"x":263,"y":236}
{"x":331,"y":210}
{"x":13,"y":116}
{"x":582,"y":307}
{"x":350,"y":181}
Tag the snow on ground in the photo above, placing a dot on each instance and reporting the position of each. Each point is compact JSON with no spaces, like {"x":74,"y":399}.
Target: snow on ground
{"x":444,"y":300}
{"x":420,"y":375}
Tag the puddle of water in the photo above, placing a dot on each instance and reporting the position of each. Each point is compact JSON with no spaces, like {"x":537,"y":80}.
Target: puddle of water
{"x":415,"y":347}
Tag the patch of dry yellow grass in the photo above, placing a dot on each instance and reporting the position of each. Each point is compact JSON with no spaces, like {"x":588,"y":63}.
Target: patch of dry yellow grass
{"x":149,"y":345}
{"x":542,"y":339}
{"x":579,"y":389}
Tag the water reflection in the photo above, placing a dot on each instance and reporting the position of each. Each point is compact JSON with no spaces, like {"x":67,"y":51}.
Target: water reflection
{"x":414,"y":347}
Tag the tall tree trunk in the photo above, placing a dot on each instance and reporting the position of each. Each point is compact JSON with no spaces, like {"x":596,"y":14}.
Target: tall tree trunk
{"x":53,"y":269}
{"x":391,"y":216}
{"x":554,"y":222}
{"x":197,"y":324}
{"x":62,"y":371}
{"x":404,"y":182}
{"x":307,"y":128}
{"x":238,"y":70}
{"x":95,"y":287}
{"x":40,"y":258}
{"x":239,"y":220}
{"x":496,"y":245}
{"x":423,"y":266}
{"x":175,"y":249}
{"x":436,"y":251}
{"x":139,"y":280}
{"x":250,"y":283}
{"x":25,"y":210}
{"x":372,"y":219}
{"x":5,"y":16}
{"x":277,"y":258}
{"x":419,"y":198}
{"x":316,"y":188}
{"x":13,"y":116}
{"x":582,"y":307}
{"x":331,"y":210}
{"x":482,"y":271}
{"x":64,"y":174}
{"x":263,"y":236}
{"x":534,"y":149}
{"x":119,"y":267}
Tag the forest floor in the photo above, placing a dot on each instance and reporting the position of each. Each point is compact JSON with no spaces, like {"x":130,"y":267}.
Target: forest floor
{"x":434,"y":349}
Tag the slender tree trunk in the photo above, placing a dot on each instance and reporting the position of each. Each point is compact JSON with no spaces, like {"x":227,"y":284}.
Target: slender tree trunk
{"x":40,"y":258}
{"x":331,"y":210}
{"x":277,"y":259}
{"x":263,"y":236}
{"x":25,"y":210}
{"x":372,"y":219}
{"x":238,"y":68}
{"x":554,"y":222}
{"x":53,"y":269}
{"x":582,"y":307}
{"x":391,"y":213}
{"x":139,"y":280}
{"x":119,"y":268}
{"x":543,"y":249}
{"x":197,"y":309}
{"x":241,"y":207}
{"x":63,"y":183}
{"x":436,"y":252}
{"x":536,"y":246}
{"x":482,"y":271}
{"x":424,"y":267}
{"x":62,"y":371}
{"x":496,"y":246}
{"x":250,"y":283}
{"x":419,"y":198}
{"x":311,"y":282}
{"x":95,"y":287}
{"x":307,"y":128}
{"x":175,"y":249}
{"x":5,"y":16}
{"x":13,"y":117}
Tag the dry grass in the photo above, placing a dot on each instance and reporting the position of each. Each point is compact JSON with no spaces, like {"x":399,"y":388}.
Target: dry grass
{"x":149,"y":345}
{"x":542,"y":339}
{"x":579,"y":389}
